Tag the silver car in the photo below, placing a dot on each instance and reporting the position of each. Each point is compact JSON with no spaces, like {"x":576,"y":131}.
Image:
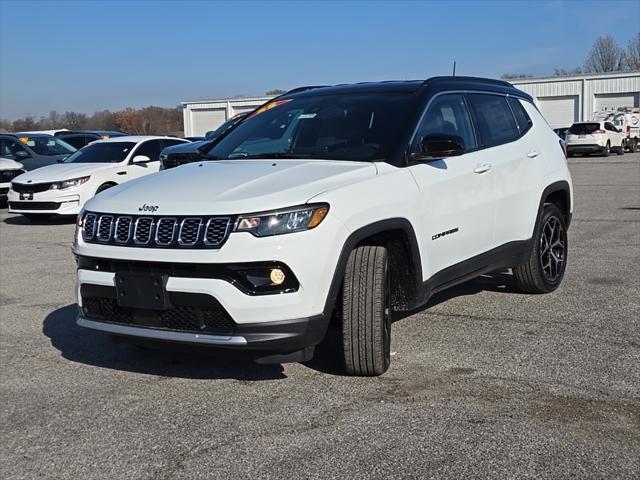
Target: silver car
{"x":34,"y":150}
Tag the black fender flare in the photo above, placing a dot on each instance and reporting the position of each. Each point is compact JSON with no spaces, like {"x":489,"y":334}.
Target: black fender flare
{"x":357,"y":237}
{"x":559,"y":186}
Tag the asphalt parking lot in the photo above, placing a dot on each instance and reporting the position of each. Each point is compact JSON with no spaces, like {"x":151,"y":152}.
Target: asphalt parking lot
{"x":486,"y":382}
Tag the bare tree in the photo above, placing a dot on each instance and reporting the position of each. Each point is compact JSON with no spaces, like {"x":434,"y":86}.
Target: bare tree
{"x":632,"y":54}
{"x":74,"y":120}
{"x":562,"y":72}
{"x":514,"y":76}
{"x":605,"y":56}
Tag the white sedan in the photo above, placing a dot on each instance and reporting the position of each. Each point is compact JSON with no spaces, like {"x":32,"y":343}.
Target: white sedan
{"x":63,"y":188}
{"x":9,"y":169}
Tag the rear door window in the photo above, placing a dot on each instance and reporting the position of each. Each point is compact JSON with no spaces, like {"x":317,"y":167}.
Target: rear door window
{"x":494,"y":120}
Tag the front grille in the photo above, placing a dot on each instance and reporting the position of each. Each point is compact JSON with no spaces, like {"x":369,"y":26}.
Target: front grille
{"x":34,"y":205}
{"x":204,"y":315}
{"x":8,"y":175}
{"x":32,"y":188}
{"x":163,"y":232}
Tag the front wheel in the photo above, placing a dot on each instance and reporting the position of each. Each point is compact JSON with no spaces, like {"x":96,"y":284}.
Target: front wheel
{"x":366,"y":312}
{"x":544,"y":270}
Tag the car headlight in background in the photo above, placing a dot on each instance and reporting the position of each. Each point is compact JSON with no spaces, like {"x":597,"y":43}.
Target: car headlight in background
{"x":74,"y":182}
{"x":287,"y":220}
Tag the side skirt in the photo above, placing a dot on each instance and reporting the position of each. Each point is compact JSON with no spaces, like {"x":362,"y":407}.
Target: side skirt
{"x":505,"y":256}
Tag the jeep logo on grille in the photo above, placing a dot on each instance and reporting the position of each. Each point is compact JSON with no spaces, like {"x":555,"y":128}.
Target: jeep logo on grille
{"x":148,"y":208}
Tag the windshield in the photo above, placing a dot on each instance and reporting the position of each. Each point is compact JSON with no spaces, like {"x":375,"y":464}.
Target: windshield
{"x":584,"y":128}
{"x":355,"y":126}
{"x":224,"y":127}
{"x":46,"y":145}
{"x":102,"y":152}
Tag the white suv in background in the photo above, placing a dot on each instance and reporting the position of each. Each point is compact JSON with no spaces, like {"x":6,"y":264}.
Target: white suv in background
{"x":384,"y":194}
{"x":63,"y":188}
{"x":594,"y":137}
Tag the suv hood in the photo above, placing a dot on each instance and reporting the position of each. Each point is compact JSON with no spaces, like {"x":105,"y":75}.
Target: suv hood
{"x":63,"y":171}
{"x":8,"y":164}
{"x":230,"y":186}
{"x":191,"y":147}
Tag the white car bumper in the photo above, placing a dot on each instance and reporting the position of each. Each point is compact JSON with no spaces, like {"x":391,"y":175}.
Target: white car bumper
{"x":50,"y":202}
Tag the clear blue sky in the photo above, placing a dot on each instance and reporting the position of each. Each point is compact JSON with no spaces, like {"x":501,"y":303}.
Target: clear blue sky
{"x":85,"y":56}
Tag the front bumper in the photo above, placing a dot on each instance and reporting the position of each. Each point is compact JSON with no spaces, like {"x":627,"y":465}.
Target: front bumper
{"x":52,"y":202}
{"x":584,"y":148}
{"x":273,"y":323}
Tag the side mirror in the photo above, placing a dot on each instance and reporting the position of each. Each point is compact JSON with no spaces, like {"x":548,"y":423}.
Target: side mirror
{"x":141,"y":159}
{"x":438,"y":146}
{"x":22,"y":154}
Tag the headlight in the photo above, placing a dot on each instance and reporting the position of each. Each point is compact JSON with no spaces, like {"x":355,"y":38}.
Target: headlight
{"x":74,"y":182}
{"x":278,"y":222}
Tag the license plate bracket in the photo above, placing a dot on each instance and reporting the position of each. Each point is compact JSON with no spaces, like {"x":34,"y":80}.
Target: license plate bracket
{"x":143,"y":291}
{"x":26,"y":196}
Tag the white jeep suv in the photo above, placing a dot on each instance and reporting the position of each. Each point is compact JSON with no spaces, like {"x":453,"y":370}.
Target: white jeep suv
{"x":332,"y":205}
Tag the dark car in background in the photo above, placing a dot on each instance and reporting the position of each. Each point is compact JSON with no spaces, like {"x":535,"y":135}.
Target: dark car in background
{"x":189,"y":152}
{"x":34,"y":150}
{"x":79,"y":139}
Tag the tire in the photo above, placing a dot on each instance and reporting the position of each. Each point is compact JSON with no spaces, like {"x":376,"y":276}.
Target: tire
{"x":633,"y":146}
{"x":104,"y":187}
{"x":544,"y":270}
{"x":606,"y":150}
{"x":366,"y":312}
{"x":621,"y":149}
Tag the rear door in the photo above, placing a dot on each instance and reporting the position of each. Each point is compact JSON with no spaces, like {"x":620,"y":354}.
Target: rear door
{"x":456,"y":202}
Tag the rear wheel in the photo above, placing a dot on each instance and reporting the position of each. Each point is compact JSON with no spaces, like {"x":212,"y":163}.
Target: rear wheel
{"x":606,"y":150}
{"x":633,"y":145}
{"x":621,"y":149}
{"x":544,"y":270}
{"x":366,"y":312}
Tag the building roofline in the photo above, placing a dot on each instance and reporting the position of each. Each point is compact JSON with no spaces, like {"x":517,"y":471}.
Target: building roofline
{"x":563,"y":78}
{"x":225,"y":100}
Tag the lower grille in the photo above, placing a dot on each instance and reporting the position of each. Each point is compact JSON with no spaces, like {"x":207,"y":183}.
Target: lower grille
{"x":34,"y":205}
{"x":203,"y":314}
{"x":4,"y":191}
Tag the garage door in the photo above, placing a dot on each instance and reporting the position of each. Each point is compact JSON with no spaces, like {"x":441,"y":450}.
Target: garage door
{"x":559,"y":111}
{"x":611,"y":101}
{"x":207,"y":119}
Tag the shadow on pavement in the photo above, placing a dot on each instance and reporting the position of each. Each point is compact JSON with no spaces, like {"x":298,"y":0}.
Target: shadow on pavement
{"x":56,"y":220}
{"x":94,"y":348}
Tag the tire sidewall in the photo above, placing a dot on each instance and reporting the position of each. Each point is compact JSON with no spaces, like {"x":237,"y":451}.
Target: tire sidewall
{"x":549,"y":211}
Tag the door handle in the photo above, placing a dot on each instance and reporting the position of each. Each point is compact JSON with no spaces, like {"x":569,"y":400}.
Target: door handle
{"x":121,"y":173}
{"x":533,"y":154}
{"x":481,"y":168}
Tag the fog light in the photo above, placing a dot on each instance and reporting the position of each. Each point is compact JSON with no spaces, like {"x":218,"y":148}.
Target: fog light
{"x":276,"y":276}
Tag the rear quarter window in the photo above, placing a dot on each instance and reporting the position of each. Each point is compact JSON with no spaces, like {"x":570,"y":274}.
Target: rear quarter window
{"x":522,"y":118}
{"x":495,"y":122}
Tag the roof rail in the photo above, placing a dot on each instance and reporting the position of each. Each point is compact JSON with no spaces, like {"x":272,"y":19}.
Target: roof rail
{"x":300,"y":89}
{"x":491,"y":81}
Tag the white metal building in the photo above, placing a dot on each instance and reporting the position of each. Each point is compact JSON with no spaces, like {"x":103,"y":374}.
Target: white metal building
{"x":202,"y":116}
{"x":564,"y":100}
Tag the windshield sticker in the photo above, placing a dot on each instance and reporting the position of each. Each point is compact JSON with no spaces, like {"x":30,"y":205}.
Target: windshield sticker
{"x":307,"y":115}
{"x":24,"y":139}
{"x":269,"y":106}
